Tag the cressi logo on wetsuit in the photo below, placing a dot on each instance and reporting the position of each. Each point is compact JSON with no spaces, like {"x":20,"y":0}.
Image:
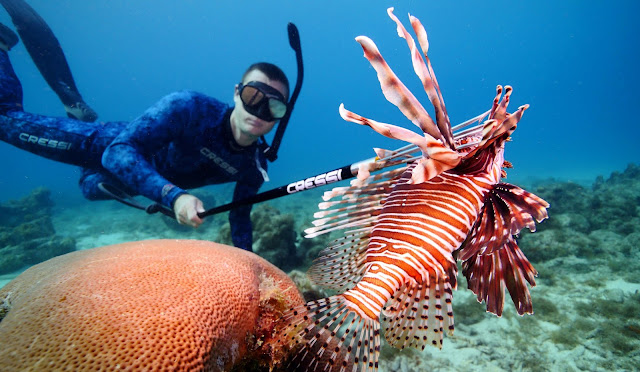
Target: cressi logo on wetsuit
{"x":218,"y":160}
{"x":45,"y":142}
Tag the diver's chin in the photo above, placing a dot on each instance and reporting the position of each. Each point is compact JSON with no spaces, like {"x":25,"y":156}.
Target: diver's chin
{"x":256,"y":125}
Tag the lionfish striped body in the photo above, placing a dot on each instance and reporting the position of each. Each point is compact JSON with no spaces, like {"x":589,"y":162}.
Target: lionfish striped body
{"x":405,"y":227}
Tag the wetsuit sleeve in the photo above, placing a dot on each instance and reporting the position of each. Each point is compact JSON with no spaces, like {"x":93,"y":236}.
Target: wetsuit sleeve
{"x":131,"y":155}
{"x":240,"y":218}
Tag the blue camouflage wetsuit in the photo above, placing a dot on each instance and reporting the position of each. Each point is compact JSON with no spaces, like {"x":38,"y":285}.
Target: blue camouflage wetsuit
{"x":184,"y":141}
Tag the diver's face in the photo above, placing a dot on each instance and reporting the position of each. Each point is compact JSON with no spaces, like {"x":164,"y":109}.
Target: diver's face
{"x":246,"y":127}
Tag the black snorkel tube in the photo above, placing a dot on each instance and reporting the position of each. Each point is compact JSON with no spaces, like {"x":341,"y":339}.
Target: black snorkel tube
{"x":271,"y":152}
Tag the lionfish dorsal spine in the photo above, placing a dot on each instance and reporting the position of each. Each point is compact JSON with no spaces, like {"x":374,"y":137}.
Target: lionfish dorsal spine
{"x":396,"y":92}
{"x":424,"y":70}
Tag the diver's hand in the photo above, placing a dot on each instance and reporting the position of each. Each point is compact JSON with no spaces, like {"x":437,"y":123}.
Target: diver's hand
{"x":186,"y":208}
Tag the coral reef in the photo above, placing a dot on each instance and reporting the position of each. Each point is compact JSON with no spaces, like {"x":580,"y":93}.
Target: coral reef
{"x":27,"y":235}
{"x":601,"y":224}
{"x":309,"y":289}
{"x":274,"y":236}
{"x":612,"y":204}
{"x":156,"y":304}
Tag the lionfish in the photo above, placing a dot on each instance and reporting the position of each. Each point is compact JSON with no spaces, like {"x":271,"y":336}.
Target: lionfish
{"x":405,"y":227}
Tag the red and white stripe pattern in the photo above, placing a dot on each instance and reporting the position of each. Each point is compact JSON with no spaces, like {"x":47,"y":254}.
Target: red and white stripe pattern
{"x":405,"y":227}
{"x":415,"y":235}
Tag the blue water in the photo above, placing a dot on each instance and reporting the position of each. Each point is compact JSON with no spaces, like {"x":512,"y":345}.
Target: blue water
{"x":573,"y":61}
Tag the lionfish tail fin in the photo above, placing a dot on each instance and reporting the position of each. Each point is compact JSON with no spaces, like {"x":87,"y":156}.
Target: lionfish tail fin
{"x":327,"y":335}
{"x":492,"y":260}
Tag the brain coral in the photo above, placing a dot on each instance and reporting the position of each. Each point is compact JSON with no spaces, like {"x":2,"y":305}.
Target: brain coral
{"x":149,"y":305}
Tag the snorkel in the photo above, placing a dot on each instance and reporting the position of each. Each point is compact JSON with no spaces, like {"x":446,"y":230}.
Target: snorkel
{"x":271,"y":152}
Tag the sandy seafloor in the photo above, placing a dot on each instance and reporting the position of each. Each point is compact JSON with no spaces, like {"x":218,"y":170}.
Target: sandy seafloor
{"x":586,"y":302}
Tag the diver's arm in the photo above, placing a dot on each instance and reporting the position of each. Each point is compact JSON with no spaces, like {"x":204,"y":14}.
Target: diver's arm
{"x":129,"y":156}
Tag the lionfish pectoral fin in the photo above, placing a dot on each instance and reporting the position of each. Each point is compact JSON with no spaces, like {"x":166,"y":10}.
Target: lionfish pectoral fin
{"x":340,"y":266}
{"x":506,"y":211}
{"x":384,"y":159}
{"x":394,"y":157}
{"x":525,"y":207}
{"x":492,"y":261}
{"x":328,"y":333}
{"x":415,"y":317}
{"x":364,"y":172}
{"x":489,"y":274}
{"x":359,"y":204}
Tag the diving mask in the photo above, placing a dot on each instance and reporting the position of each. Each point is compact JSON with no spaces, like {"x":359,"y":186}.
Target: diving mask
{"x":262,"y":100}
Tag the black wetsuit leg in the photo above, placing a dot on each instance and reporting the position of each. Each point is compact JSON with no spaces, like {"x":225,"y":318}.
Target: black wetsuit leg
{"x":48,"y":56}
{"x":10,"y":87}
{"x":61,"y":139}
{"x":57,"y":138}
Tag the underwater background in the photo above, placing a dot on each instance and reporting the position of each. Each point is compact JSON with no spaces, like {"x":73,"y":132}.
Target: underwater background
{"x":574,"y":62}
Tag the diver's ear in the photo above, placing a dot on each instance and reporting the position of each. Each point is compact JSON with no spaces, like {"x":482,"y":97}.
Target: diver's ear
{"x":235,"y":90}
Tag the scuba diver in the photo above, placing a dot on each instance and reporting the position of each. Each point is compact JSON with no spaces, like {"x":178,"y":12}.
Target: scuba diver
{"x":186,"y":140}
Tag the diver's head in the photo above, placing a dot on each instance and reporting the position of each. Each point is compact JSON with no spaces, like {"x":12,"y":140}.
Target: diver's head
{"x":260,"y":101}
{"x":272,"y":71}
